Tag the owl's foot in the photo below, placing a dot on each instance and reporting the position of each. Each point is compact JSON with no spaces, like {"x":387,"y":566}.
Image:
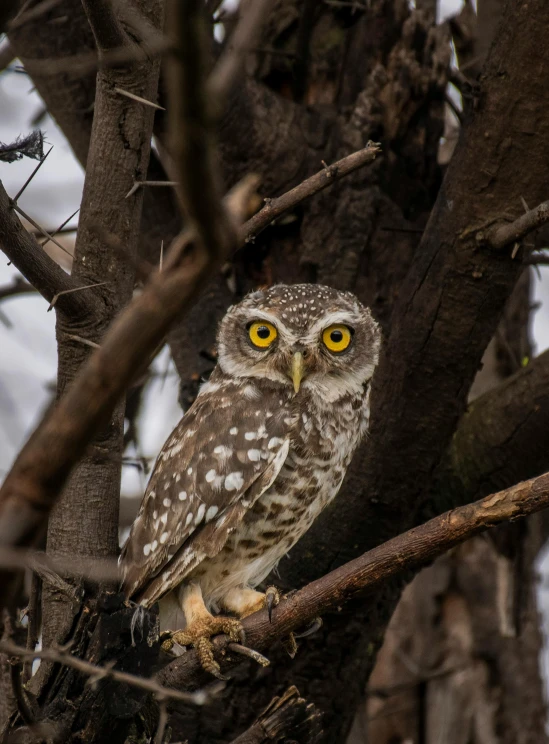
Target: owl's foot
{"x":199,"y":633}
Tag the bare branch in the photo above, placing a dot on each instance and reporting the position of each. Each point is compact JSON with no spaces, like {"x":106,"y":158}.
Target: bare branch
{"x":23,"y":706}
{"x":25,"y":16}
{"x":82,"y":64}
{"x":409,"y":551}
{"x":96,"y":673}
{"x":502,"y":236}
{"x":97,"y":570}
{"x":37,"y":267}
{"x":192,"y":131}
{"x":231,"y":62}
{"x":106,"y":29}
{"x":275,"y":207}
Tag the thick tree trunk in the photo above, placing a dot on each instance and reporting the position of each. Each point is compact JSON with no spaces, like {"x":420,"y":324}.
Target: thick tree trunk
{"x":460,"y":662}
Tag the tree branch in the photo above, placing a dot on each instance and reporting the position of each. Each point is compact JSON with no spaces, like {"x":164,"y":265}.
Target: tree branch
{"x":26,"y":254}
{"x":97,"y":673}
{"x":329,"y":174}
{"x":407,"y":552}
{"x":106,"y":29}
{"x":192,"y":131}
{"x":502,"y":236}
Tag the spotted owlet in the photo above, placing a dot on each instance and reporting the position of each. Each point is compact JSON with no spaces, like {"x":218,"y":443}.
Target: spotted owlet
{"x":260,"y":453}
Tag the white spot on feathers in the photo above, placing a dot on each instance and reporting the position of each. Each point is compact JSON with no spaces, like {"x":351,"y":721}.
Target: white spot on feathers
{"x":233,"y":430}
{"x":163,"y":537}
{"x":234,"y":481}
{"x":250,"y":435}
{"x":254,"y":455}
{"x":146,"y":549}
{"x":200,"y":513}
{"x":189,"y":519}
{"x":274,"y":442}
{"x":182,"y":495}
{"x":210,"y":476}
{"x":210,"y":514}
{"x":164,"y":517}
{"x":167,"y":502}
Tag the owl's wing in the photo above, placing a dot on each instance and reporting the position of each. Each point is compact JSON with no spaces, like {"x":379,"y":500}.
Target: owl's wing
{"x":224,"y":453}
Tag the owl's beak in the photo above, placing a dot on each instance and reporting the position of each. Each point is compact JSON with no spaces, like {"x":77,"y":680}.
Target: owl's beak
{"x":297,"y":370}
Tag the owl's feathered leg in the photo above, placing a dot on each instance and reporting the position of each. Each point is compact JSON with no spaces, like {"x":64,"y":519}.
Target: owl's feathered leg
{"x":244,"y":601}
{"x":201,"y":625}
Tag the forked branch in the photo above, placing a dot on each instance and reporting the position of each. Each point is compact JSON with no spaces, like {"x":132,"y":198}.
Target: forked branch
{"x":27,"y":255}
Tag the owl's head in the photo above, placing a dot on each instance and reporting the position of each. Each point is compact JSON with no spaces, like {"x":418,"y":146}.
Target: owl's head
{"x":305,"y":336}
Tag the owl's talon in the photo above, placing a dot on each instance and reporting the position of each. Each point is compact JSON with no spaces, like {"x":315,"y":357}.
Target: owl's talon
{"x":198,"y":635}
{"x":316,"y":625}
{"x":272,"y":598}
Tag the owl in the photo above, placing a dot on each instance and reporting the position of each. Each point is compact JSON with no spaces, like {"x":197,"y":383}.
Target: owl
{"x":260,"y":453}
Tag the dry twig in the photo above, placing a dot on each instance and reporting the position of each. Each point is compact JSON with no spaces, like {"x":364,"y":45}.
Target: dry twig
{"x":513,"y":232}
{"x":275,"y":207}
{"x":96,"y":673}
{"x":24,"y":251}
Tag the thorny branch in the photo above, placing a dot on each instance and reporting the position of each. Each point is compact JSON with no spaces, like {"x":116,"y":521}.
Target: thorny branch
{"x":514,"y":232}
{"x":409,"y":551}
{"x":329,"y":174}
{"x":97,"y":673}
{"x":26,"y":254}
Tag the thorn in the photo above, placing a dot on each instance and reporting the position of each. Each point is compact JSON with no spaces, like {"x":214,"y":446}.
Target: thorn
{"x":29,"y":179}
{"x":40,"y":229}
{"x":69,"y":291}
{"x":138,"y":184}
{"x":134,"y":97}
{"x":61,"y":226}
{"x":524,"y":205}
{"x":161,"y":255}
{"x":84,"y":341}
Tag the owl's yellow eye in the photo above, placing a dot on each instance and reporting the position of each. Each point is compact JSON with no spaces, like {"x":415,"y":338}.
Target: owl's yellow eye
{"x":337,"y":337}
{"x":262,"y":334}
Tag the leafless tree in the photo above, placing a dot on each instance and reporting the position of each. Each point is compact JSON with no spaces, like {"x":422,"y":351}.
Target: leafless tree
{"x":332,"y":112}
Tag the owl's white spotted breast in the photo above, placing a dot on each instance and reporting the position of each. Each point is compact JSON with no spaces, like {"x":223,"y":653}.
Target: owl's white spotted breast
{"x":323,"y":439}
